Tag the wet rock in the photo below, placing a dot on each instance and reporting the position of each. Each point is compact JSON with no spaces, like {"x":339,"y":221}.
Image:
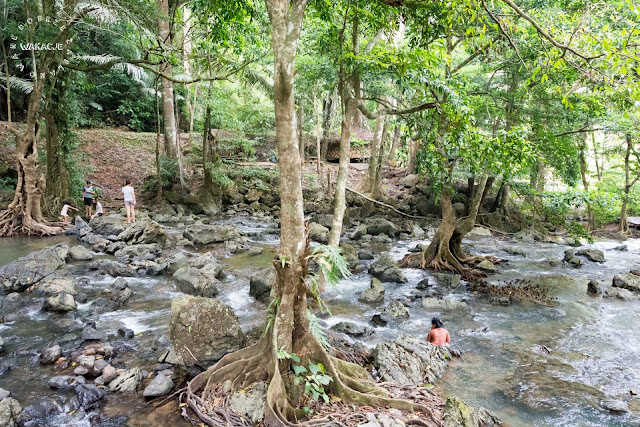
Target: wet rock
{"x":261,"y":283}
{"x":250,"y":403}
{"x":619,"y":293}
{"x":4,"y":394}
{"x":106,"y":225}
{"x":395,"y":310}
{"x":488,"y":266}
{"x":459,"y":414}
{"x":374,"y":294}
{"x":377,"y":226}
{"x":169,"y":357}
{"x":350,"y":254}
{"x":29,"y":270}
{"x":526,"y":236}
{"x":593,"y":287}
{"x":60,"y":281}
{"x":89,"y":395}
{"x":127,"y":382}
{"x":616,"y":406}
{"x":621,"y":248}
{"x":50,"y":354}
{"x":103,"y":305}
{"x":206,"y":234}
{"x":318,"y":233}
{"x":114,"y":247}
{"x":80,"y":253}
{"x":423,"y":284}
{"x":255,"y":251}
{"x":147,"y":251}
{"x":504,"y":301}
{"x":479,"y":232}
{"x":594,"y":255}
{"x":1,"y":344}
{"x":10,"y":411}
{"x":515,"y":251}
{"x":420,"y":247}
{"x":193,"y":334}
{"x":80,"y":228}
{"x":109,"y":374}
{"x":80,"y":370}
{"x":196,"y":282}
{"x":387,"y":270}
{"x":351,"y":328}
{"x":440,"y":304}
{"x":98,"y":366}
{"x":42,"y":410}
{"x":449,"y":280}
{"x":12,"y":302}
{"x":410,"y":360}
{"x":119,"y":291}
{"x":113,"y":268}
{"x":125,"y":333}
{"x":360,"y":231}
{"x":145,"y":231}
{"x":64,"y":382}
{"x":571,"y":260}
{"x":60,"y":303}
{"x":627,"y":281}
{"x":366,"y":254}
{"x":161,"y":385}
{"x":91,"y":334}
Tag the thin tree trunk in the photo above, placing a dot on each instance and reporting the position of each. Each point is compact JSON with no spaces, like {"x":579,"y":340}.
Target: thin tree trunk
{"x":367,"y":184}
{"x":301,"y":131}
{"x":318,"y":131}
{"x":624,"y":225}
{"x":391,"y":160}
{"x":208,"y":183}
{"x":585,"y":181}
{"x":413,"y":155}
{"x":166,"y":85}
{"x":158,"y":164}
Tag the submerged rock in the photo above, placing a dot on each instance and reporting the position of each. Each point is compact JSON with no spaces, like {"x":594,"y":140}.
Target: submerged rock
{"x":203,"y":330}
{"x":616,"y":406}
{"x":374,"y":294}
{"x":29,"y":270}
{"x":459,"y":414}
{"x":387,"y":270}
{"x":410,"y":360}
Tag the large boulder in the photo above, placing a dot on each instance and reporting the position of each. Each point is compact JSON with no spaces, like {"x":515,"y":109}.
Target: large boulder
{"x":60,"y":303}
{"x":627,"y":281}
{"x":395,"y":310}
{"x":410,"y":360}
{"x":376,"y":226}
{"x":80,"y":253}
{"x":594,"y":255}
{"x":206,"y":234}
{"x":60,"y":281}
{"x":374,"y":294}
{"x":479,"y":232}
{"x":459,"y":414}
{"x":203,"y":330}
{"x":106,"y":226}
{"x":261,"y":284}
{"x":145,"y":251}
{"x":113,"y":268}
{"x":201,"y":282}
{"x":30,"y":269}
{"x":318,"y":233}
{"x":10,"y":411}
{"x":387,"y":270}
{"x":410,"y":180}
{"x":145,"y":231}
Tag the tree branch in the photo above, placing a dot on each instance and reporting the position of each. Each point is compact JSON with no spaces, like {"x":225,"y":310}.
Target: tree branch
{"x":470,"y":58}
{"x":504,"y":33}
{"x":394,"y":112}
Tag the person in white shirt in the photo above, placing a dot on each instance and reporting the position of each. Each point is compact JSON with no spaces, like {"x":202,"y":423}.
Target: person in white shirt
{"x":129,"y":201}
{"x":99,"y":209}
{"x":64,"y":213}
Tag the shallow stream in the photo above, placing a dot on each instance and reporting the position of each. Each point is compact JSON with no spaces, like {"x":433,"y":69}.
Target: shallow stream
{"x":594,"y":343}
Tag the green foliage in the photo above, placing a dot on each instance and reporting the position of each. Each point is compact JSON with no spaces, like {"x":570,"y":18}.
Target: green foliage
{"x":317,"y":330}
{"x":218,"y":174}
{"x":575,"y":229}
{"x":8,"y":184}
{"x":168,"y":176}
{"x":315,"y":378}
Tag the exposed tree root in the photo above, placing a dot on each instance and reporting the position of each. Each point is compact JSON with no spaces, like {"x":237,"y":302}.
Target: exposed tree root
{"x":15,"y":222}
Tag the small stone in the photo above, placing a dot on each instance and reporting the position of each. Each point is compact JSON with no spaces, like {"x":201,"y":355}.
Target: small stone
{"x":81,"y":370}
{"x":87,"y":361}
{"x":256,"y":250}
{"x":4,"y":394}
{"x":89,"y":395}
{"x":488,"y":266}
{"x":109,"y":374}
{"x":50,"y":354}
{"x":126,"y":333}
{"x":161,"y":385}
{"x":593,"y":287}
{"x":617,"y":406}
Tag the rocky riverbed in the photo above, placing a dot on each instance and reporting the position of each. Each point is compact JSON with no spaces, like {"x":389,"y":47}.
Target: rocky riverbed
{"x":97,"y":324}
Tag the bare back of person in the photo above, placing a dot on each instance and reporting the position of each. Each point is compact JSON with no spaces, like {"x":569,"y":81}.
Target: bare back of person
{"x":439,"y":337}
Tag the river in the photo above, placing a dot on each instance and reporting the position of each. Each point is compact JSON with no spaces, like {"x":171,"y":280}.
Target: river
{"x":594,"y":343}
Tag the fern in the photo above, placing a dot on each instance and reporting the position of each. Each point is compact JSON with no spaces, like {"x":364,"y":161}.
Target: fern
{"x":272,"y":312}
{"x":317,"y":330}
{"x":332,"y":264}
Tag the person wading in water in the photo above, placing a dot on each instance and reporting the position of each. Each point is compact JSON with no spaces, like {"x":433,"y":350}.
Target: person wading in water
{"x":438,"y":335}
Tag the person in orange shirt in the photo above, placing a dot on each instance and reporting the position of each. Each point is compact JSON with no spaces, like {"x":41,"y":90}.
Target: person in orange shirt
{"x":438,"y":335}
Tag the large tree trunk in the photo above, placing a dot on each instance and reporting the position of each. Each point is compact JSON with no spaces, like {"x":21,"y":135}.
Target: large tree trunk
{"x":368,"y":183}
{"x":24,"y":214}
{"x":57,"y":175}
{"x":445,"y":249}
{"x":166,"y":85}
{"x":340,"y":204}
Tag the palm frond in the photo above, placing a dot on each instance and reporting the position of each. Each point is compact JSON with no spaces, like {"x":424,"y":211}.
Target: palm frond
{"x":97,"y":59}
{"x":96,"y":106}
{"x":19,"y":84}
{"x":133,"y":70}
{"x":100,"y":12}
{"x":332,"y":263}
{"x":253,"y":78}
{"x":317,"y":330}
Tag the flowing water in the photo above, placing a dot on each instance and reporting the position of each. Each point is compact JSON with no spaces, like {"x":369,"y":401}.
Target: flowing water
{"x":594,"y":343}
